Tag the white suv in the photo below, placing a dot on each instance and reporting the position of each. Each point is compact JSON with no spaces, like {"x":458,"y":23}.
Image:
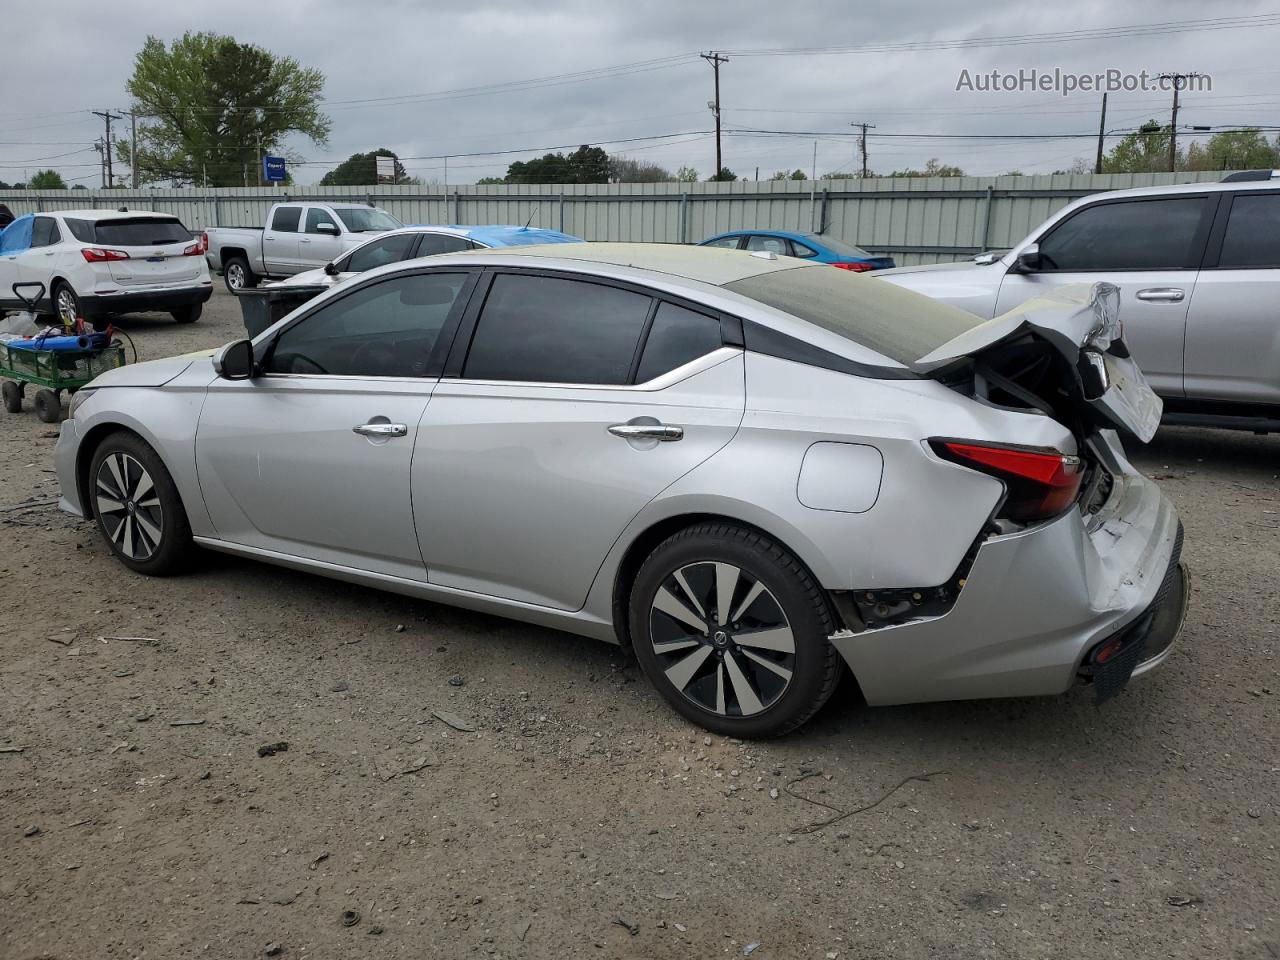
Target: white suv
{"x":95,"y":263}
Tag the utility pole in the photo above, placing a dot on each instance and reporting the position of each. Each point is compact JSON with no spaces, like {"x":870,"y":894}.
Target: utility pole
{"x":107,"y":116}
{"x":1178,"y":79}
{"x":862,"y":144}
{"x":102,"y":160}
{"x":1102,"y":127}
{"x":715,"y":59}
{"x":133,"y":148}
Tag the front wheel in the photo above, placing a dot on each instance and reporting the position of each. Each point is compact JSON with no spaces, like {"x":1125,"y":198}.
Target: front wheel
{"x":237,"y":275}
{"x":137,"y":506}
{"x":732,"y":630}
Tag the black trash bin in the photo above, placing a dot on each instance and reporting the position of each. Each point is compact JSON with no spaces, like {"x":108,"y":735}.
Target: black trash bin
{"x":263,"y":306}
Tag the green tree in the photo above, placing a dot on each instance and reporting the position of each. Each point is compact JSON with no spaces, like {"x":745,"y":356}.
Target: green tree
{"x":214,"y":107}
{"x":796,"y":174}
{"x":934,"y":168}
{"x":585,"y":165}
{"x":46,"y":180}
{"x":1246,"y":149}
{"x":724,"y":176}
{"x":1144,"y":151}
{"x":360,"y":169}
{"x":687,"y":175}
{"x":627,"y":170}
{"x":490,"y":180}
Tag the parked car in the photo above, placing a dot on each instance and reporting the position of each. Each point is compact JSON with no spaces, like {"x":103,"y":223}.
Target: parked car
{"x":297,"y":236}
{"x":806,"y":246}
{"x":1198,"y":268}
{"x":98,"y":263}
{"x":409,"y":243}
{"x":6,"y":216}
{"x":745,"y":467}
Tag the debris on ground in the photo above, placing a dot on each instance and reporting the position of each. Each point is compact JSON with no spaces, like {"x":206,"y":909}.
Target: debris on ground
{"x":12,"y":749}
{"x":453,"y":720}
{"x":318,"y":860}
{"x":375,"y":931}
{"x":31,"y":831}
{"x":1182,"y":901}
{"x":631,"y":928}
{"x":456,"y":680}
{"x":271,"y":749}
{"x":750,"y":948}
{"x":185,"y":723}
{"x":128,"y":639}
{"x":273,"y":950}
{"x":340,"y":686}
{"x":350,"y":918}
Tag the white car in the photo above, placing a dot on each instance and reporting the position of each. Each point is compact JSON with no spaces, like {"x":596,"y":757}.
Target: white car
{"x":96,"y":263}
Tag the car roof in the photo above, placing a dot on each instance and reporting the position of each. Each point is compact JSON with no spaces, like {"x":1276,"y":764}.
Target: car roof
{"x":764,"y":232}
{"x":1216,"y":186}
{"x":701,"y":264}
{"x":509,"y":235}
{"x":106,"y":213}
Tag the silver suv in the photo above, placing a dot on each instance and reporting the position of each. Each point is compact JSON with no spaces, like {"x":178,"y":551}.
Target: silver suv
{"x":1198,"y":267}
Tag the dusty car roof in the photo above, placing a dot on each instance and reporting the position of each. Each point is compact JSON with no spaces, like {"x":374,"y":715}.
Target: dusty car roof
{"x":107,"y":213}
{"x":704,"y":264}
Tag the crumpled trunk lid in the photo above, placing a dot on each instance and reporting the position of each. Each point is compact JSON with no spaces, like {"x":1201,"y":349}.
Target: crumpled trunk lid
{"x":1081,"y":323}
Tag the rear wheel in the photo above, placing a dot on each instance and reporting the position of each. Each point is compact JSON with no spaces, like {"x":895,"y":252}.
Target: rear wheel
{"x":12,"y":396}
{"x":66,"y":304}
{"x":188,"y":314}
{"x":137,"y":507}
{"x":237,"y":275}
{"x":48,"y":406}
{"x":732,"y":630}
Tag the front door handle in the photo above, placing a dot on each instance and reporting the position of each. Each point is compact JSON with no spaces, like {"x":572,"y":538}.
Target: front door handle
{"x":647,"y":431}
{"x":381,"y":429}
{"x":1161,"y":294}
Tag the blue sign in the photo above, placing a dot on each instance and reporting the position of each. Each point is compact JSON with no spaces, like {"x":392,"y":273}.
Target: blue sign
{"x":273,"y":169}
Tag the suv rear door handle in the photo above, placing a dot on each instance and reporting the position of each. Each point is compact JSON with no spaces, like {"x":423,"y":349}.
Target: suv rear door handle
{"x":1161,"y":294}
{"x":647,"y":431}
{"x":381,"y":429}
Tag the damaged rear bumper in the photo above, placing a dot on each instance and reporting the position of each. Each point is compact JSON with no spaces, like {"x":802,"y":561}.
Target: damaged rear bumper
{"x":1035,"y":604}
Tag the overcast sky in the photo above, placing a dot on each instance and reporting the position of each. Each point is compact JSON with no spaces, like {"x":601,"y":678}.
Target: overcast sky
{"x":74,"y":56}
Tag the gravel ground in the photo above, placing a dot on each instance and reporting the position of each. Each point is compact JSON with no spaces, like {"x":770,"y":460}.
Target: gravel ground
{"x":552,"y":806}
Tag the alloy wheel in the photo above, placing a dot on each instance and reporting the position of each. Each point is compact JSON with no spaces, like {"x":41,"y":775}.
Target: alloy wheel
{"x":129,"y":506}
{"x":235,"y":276}
{"x":66,"y":307}
{"x":722,"y":639}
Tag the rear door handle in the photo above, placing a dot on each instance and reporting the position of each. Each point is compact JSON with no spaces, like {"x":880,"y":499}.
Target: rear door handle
{"x":381,"y":429}
{"x":647,"y":431}
{"x":305,"y":240}
{"x":1161,"y":294}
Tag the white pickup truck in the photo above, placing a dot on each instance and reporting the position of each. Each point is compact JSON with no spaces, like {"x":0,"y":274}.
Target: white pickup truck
{"x":298,"y":236}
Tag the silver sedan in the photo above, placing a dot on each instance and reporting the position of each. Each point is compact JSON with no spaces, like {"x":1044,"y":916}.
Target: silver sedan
{"x":750,"y":470}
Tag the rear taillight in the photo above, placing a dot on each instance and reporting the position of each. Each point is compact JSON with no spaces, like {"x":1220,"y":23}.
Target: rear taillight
{"x":855,"y":267}
{"x":193,"y":251}
{"x":204,"y":243}
{"x":99,"y":255}
{"x":1040,"y":484}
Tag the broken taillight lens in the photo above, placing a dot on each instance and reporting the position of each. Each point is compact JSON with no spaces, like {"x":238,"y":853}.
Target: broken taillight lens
{"x":1040,"y":484}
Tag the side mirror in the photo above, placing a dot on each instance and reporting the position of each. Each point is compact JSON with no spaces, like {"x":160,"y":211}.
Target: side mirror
{"x":331,"y":269}
{"x":324,"y":226}
{"x":234,"y":361}
{"x":1029,"y":259}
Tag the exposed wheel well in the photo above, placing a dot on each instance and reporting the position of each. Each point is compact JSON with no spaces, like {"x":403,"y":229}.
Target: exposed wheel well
{"x":648,"y":540}
{"x":231,"y":253}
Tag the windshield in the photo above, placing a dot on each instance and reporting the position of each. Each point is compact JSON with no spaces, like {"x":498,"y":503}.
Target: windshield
{"x":898,"y":323}
{"x":139,"y":232}
{"x":839,"y":246}
{"x":366,"y":219}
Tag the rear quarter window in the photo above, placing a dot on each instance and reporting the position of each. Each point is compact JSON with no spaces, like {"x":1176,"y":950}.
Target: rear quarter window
{"x":898,"y":323}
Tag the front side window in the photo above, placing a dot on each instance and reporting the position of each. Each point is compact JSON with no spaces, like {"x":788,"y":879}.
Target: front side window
{"x":676,"y":337}
{"x":378,"y":253}
{"x":1131,"y":235}
{"x":776,"y":245}
{"x":45,"y":233}
{"x":433,"y":243}
{"x":1253,"y":233}
{"x":367,"y":219}
{"x":286,"y":219}
{"x":552,"y":330}
{"x":317,"y":216}
{"x":387,"y":329}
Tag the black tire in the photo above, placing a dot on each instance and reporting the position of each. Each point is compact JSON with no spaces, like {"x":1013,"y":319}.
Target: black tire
{"x":48,"y":406}
{"x":188,"y":314}
{"x":66,"y":304}
{"x":12,"y":390}
{"x":149,"y":534}
{"x":748,"y":697}
{"x":236,"y":274}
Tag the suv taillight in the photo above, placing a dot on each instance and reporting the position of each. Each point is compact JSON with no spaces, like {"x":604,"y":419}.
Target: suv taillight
{"x":1040,"y":484}
{"x":204,"y":243}
{"x":193,"y":250}
{"x":854,"y":266}
{"x":99,"y":255}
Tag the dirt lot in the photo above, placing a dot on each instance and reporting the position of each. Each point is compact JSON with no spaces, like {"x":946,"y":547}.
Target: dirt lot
{"x":579,"y":804}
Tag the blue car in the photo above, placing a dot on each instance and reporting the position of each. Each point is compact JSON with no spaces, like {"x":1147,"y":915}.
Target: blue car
{"x":806,"y":246}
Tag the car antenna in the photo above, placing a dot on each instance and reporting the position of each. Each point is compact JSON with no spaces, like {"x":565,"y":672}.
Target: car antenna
{"x":529,"y":221}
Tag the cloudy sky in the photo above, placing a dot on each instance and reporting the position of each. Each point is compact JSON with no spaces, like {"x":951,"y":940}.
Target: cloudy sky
{"x":432,"y":55}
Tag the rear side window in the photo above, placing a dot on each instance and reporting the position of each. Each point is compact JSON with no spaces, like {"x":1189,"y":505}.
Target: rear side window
{"x":433,"y":243}
{"x":379,"y":253}
{"x":1253,"y":233}
{"x":285,"y":219}
{"x":1134,"y":235}
{"x":898,"y":323}
{"x":82,"y":230}
{"x":676,"y":337}
{"x":729,"y":242}
{"x":798,"y":249}
{"x":141,"y":231}
{"x":551,"y":330}
{"x":45,"y":233}
{"x":776,"y":245}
